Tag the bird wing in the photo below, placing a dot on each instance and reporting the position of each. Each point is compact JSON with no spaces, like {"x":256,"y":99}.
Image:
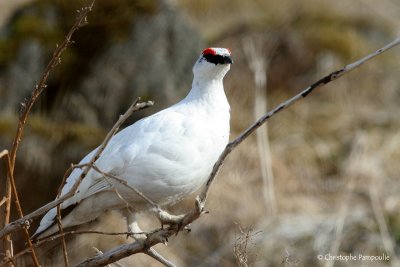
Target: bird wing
{"x":121,"y":151}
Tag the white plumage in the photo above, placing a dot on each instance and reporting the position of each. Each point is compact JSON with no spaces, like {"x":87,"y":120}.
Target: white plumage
{"x":165,"y":156}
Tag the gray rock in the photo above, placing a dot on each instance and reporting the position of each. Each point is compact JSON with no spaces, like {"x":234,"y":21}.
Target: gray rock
{"x":155,"y":62}
{"x":21,"y":75}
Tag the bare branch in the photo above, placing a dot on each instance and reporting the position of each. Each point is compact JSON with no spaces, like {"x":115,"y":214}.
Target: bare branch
{"x":59,"y":219}
{"x":11,"y":183}
{"x":99,"y":252}
{"x":64,"y":244}
{"x":7,"y":243}
{"x":2,"y":201}
{"x":157,"y":256}
{"x":3,"y":153}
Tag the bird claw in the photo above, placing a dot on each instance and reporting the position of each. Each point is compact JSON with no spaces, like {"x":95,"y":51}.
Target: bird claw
{"x":137,"y":236}
{"x":174,"y":221}
{"x":187,"y":228}
{"x":165,"y":241}
{"x":200,"y":204}
{"x":129,"y":234}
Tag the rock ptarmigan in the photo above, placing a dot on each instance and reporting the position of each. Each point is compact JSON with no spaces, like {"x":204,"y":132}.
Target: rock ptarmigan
{"x":165,"y":156}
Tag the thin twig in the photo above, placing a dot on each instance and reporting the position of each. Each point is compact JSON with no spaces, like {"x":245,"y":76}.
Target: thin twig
{"x":7,"y":244}
{"x":2,"y":201}
{"x":63,"y":243}
{"x":3,"y":153}
{"x":59,"y":219}
{"x":13,"y":226}
{"x":157,"y":256}
{"x":125,"y":183}
{"x":128,"y":205}
{"x":25,"y":227}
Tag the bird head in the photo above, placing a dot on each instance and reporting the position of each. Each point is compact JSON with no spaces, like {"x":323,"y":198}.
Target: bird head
{"x":213,"y":63}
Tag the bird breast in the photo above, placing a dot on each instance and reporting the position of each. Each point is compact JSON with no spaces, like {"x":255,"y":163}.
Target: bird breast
{"x":180,"y":152}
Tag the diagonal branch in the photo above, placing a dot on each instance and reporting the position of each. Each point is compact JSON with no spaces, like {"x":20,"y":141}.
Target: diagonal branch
{"x":321,"y":82}
{"x":7,"y":243}
{"x":157,"y":256}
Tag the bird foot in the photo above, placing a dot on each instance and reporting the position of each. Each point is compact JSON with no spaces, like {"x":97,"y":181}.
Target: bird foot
{"x":134,"y":230}
{"x":200,"y":203}
{"x":176,"y":222}
{"x":138,"y":236}
{"x":165,"y":218}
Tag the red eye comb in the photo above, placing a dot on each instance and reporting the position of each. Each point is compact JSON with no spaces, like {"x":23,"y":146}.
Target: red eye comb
{"x":209,"y":51}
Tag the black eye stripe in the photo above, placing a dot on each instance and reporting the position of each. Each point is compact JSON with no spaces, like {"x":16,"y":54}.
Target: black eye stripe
{"x":217,"y":59}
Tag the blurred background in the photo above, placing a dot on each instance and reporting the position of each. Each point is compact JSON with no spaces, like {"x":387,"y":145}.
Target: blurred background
{"x":322,"y":179}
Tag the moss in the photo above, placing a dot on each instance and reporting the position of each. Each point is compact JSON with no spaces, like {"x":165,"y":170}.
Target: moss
{"x":394,"y":225}
{"x":59,"y":132}
{"x":6,"y":126}
{"x":49,"y":21}
{"x":54,"y":131}
{"x":6,"y":52}
{"x":345,"y":36}
{"x":33,"y":26}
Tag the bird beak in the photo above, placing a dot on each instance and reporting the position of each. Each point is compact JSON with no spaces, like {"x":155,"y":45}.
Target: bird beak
{"x":227,"y":60}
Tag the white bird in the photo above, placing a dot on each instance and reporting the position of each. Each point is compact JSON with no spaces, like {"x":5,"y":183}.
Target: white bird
{"x":165,"y":156}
